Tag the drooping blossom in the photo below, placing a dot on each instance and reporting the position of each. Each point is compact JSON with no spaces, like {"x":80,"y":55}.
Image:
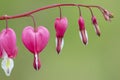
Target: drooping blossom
{"x":96,"y":26}
{"x":60,"y":25}
{"x":8,"y":49}
{"x":35,"y":42}
{"x":82,"y":32}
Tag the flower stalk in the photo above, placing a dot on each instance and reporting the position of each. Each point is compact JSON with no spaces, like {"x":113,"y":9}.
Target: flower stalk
{"x":34,"y":22}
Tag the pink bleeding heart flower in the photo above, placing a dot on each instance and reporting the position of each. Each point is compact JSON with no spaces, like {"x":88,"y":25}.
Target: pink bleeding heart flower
{"x":96,"y":26}
{"x":8,"y":49}
{"x":83,"y":32}
{"x":60,"y":25}
{"x":35,"y":42}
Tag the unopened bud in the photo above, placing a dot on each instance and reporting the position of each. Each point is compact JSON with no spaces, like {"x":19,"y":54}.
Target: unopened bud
{"x":83,"y":32}
{"x":96,"y":26}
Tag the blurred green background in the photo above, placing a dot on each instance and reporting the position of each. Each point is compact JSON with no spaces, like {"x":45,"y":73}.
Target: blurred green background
{"x":99,"y":60}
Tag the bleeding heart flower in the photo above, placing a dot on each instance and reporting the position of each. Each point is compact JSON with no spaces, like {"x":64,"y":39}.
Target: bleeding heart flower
{"x":61,"y":25}
{"x":96,"y":26}
{"x":8,"y":49}
{"x":83,"y":32}
{"x":35,"y":42}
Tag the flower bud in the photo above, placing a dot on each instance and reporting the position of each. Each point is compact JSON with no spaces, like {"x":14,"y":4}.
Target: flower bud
{"x":96,"y":26}
{"x":107,"y":15}
{"x":83,"y":32}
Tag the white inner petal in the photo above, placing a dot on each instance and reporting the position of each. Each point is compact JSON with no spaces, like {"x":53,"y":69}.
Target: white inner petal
{"x":96,"y":26}
{"x":56,"y":41}
{"x":4,"y":54}
{"x":85,"y":35}
{"x":80,"y":35}
{"x":7,"y":65}
{"x":62,"y":44}
{"x":36,"y":60}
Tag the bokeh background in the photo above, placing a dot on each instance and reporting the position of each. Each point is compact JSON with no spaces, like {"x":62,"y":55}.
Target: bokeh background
{"x":99,"y":60}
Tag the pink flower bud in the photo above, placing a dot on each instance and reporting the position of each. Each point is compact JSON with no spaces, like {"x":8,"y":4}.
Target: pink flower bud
{"x":107,"y":15}
{"x":83,"y":32}
{"x":61,"y":25}
{"x":96,"y":27}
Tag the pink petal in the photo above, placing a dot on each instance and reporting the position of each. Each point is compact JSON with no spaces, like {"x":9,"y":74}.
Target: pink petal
{"x":61,"y":25}
{"x":94,"y":20}
{"x":8,"y":42}
{"x":45,"y":35}
{"x":81,"y":23}
{"x":0,"y":51}
{"x":35,"y":41}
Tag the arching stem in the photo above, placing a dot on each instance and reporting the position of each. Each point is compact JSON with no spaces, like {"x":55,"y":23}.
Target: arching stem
{"x":48,"y":7}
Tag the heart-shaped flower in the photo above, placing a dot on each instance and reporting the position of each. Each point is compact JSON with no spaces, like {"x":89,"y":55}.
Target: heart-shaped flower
{"x":61,"y":25}
{"x":35,"y":40}
{"x":8,"y":49}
